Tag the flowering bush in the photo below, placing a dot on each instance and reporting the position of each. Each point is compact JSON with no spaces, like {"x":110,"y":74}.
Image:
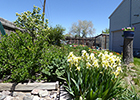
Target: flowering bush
{"x":33,"y":24}
{"x":128,"y":29}
{"x":93,"y":76}
{"x":104,"y":60}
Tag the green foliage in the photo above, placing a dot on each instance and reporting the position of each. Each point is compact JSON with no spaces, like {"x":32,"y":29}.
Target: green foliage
{"x":20,"y":57}
{"x":23,"y":60}
{"x":128,"y":94}
{"x":89,"y":82}
{"x":128,"y":29}
{"x":137,"y":61}
{"x":84,"y":48}
{"x":92,"y":84}
{"x":32,"y":22}
{"x":55,"y":56}
{"x":78,"y":49}
{"x":68,"y":35}
{"x":105,"y":31}
{"x":55,"y":35}
{"x":26,"y":56}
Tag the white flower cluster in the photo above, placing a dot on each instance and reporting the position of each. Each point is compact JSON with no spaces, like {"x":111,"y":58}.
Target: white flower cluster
{"x":104,"y":59}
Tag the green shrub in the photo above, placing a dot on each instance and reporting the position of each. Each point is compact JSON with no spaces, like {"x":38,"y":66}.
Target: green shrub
{"x":56,"y":58}
{"x":55,"y":35}
{"x":25,"y":55}
{"x":20,"y":57}
{"x":22,"y":60}
{"x":80,"y":47}
{"x":32,"y":23}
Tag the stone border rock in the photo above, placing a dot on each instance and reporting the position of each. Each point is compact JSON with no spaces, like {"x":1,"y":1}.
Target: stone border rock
{"x":41,"y":95}
{"x":56,"y":93}
{"x":29,"y":91}
{"x":28,"y":86}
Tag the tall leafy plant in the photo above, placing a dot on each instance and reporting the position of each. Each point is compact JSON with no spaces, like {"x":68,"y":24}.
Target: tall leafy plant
{"x":22,"y":60}
{"x":55,"y":35}
{"x":24,"y":55}
{"x":56,"y":60}
{"x":32,"y":22}
{"x":93,"y":76}
{"x":20,"y":57}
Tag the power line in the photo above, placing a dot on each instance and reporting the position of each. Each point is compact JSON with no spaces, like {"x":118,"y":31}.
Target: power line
{"x":47,"y":15}
{"x":41,"y":3}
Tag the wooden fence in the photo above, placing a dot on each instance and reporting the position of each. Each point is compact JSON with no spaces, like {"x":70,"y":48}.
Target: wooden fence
{"x":101,"y":41}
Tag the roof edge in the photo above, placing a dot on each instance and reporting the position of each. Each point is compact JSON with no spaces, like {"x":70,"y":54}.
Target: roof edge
{"x":9,"y":24}
{"x":116,"y":9}
{"x":102,"y":34}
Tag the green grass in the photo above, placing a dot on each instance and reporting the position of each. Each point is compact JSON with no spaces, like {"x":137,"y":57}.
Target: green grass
{"x":134,"y":73}
{"x":137,"y":62}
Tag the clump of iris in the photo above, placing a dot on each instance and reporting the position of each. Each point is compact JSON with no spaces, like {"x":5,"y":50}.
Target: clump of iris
{"x":104,"y":59}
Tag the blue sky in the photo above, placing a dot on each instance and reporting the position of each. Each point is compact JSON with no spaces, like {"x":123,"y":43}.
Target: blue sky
{"x":64,"y":12}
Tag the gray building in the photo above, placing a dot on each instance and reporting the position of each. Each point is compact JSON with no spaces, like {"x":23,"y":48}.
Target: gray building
{"x":102,"y":41}
{"x":125,"y":15}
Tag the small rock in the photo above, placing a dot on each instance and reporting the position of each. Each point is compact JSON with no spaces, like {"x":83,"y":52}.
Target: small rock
{"x":0,"y":94}
{"x":15,"y":94}
{"x":5,"y":93}
{"x":43,"y":93}
{"x":3,"y":97}
{"x":47,"y":98}
{"x":27,"y":98}
{"x":57,"y":95}
{"x":36,"y":98}
{"x":8,"y":98}
{"x":35,"y":91}
{"x":42,"y":99}
{"x":28,"y":94}
{"x":17,"y":98}
{"x":53,"y":95}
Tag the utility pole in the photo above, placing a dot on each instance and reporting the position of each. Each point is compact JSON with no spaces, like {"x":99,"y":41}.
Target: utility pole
{"x":44,"y":10}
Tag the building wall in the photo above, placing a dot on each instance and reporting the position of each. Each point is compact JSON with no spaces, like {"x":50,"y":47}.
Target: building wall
{"x":136,"y":24}
{"x":135,"y":11}
{"x":105,"y":42}
{"x":102,"y":41}
{"x":136,"y":42}
{"x":121,"y":18}
{"x":117,"y":42}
